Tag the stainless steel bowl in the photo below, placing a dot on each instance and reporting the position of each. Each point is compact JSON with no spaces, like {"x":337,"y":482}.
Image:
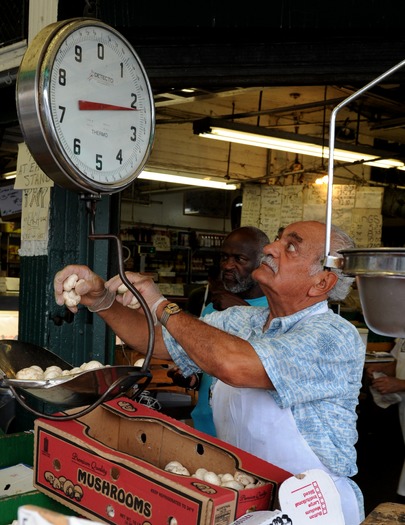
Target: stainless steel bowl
{"x":380,"y":277}
{"x":374,"y":261}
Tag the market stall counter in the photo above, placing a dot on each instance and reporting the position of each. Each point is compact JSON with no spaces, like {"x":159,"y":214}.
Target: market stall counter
{"x":386,"y":514}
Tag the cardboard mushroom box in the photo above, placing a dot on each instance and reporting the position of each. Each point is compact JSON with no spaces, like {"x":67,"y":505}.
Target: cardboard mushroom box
{"x":109,"y":465}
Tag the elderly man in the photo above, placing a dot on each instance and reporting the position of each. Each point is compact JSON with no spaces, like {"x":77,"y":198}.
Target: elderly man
{"x":288,"y":376}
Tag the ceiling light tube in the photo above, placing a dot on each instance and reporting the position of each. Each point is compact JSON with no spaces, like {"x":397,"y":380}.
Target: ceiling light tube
{"x":291,"y":142}
{"x":185,"y":180}
{"x":9,"y":175}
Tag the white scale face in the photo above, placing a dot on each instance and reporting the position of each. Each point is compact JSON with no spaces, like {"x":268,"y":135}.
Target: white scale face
{"x":95,"y":106}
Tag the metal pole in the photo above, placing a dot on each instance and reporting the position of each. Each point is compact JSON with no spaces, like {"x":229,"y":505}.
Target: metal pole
{"x":329,"y":261}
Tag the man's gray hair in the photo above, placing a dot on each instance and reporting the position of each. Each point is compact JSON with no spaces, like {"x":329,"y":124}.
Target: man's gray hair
{"x":339,"y":240}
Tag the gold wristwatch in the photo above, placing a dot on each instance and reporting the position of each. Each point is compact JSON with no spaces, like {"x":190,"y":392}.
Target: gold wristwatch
{"x":169,"y":309}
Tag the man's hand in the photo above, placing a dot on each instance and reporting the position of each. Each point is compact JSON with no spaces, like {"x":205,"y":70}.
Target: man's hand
{"x":387,"y":368}
{"x":145,"y":285}
{"x":388,"y":385}
{"x":81,"y":284}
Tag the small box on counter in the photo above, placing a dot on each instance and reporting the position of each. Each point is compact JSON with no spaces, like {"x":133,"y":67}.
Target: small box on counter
{"x":15,"y":480}
{"x":109,"y":465}
{"x":9,"y":284}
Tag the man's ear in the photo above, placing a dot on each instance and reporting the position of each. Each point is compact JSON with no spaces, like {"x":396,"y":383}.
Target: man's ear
{"x":326,"y":280}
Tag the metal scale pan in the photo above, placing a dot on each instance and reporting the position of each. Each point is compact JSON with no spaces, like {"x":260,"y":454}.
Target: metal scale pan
{"x":88,"y":388}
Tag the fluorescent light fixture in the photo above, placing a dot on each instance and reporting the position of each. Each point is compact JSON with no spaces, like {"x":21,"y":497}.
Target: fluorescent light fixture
{"x":9,"y":175}
{"x":188,"y":181}
{"x":249,"y":135}
{"x":322,"y":180}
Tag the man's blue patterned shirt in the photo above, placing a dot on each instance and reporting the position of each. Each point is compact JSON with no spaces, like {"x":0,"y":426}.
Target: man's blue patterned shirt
{"x":314,"y":359}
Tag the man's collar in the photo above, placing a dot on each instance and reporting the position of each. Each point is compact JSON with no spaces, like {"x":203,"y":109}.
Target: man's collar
{"x":287,"y":322}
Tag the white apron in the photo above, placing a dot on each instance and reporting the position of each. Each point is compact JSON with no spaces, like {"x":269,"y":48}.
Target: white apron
{"x":271,"y":433}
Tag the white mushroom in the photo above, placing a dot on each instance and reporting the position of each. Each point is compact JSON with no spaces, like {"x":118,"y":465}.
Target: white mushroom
{"x":75,"y":370}
{"x":91,"y":365}
{"x":180,"y":470}
{"x":53,"y":368}
{"x":122,"y":289}
{"x":227,"y":477}
{"x":51,"y":374}
{"x":211,"y":477}
{"x":70,"y":282}
{"x":199,"y":473}
{"x":232,"y":484}
{"x":134,"y":303}
{"x":71,"y":298}
{"x":243,"y":478}
{"x":30,"y":373}
{"x":173,"y":464}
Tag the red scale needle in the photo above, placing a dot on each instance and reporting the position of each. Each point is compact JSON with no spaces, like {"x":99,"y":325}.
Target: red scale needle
{"x":87,"y":105}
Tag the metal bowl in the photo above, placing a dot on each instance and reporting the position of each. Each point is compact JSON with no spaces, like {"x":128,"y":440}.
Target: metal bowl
{"x":374,"y":261}
{"x":380,"y":277}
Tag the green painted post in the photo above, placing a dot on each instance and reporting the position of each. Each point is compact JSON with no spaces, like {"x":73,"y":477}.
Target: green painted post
{"x":84,"y":336}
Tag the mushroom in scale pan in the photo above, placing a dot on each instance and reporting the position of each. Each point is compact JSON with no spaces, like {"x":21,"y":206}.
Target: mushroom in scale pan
{"x":35,"y":372}
{"x":30,"y":373}
{"x":238,"y":481}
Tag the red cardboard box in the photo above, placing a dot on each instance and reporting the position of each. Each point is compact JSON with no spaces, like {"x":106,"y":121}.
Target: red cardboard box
{"x":109,"y":465}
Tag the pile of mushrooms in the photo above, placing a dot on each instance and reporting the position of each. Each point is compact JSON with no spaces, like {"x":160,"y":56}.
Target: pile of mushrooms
{"x":36,"y":373}
{"x":239,"y":481}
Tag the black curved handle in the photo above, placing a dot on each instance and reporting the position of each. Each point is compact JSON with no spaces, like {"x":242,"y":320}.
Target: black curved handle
{"x":138,"y":295}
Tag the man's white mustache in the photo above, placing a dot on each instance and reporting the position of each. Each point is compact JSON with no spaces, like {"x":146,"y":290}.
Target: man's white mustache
{"x":269,"y":261}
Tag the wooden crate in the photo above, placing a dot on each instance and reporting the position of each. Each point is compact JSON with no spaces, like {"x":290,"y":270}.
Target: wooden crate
{"x":386,"y":514}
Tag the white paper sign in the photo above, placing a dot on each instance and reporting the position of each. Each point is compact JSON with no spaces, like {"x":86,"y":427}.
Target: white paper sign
{"x":161,"y":243}
{"x":36,"y":188}
{"x":29,"y":174}
{"x":311,"y":497}
{"x":34,"y":221}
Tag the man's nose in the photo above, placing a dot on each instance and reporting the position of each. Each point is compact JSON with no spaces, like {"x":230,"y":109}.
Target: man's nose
{"x":271,"y":249}
{"x":229,"y":262}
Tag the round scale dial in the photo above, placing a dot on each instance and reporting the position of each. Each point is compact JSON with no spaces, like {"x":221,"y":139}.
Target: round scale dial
{"x":85,"y":106}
